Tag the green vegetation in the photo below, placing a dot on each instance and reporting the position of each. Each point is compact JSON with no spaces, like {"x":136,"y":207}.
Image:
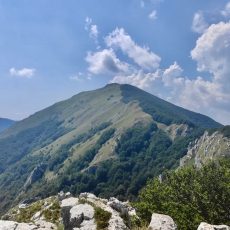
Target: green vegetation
{"x":26,"y":214}
{"x":190,"y":196}
{"x":77,"y":181}
{"x":163,"y":111}
{"x":102,"y":218}
{"x":49,"y":208}
{"x":14,"y":148}
{"x":55,"y":161}
{"x":143,"y":152}
{"x":224,"y":130}
{"x":53,"y":213}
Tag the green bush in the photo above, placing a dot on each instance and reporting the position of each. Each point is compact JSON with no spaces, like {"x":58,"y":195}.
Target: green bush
{"x":102,"y":218}
{"x":190,"y":196}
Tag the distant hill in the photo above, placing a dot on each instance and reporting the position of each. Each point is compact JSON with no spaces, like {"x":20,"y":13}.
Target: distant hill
{"x":107,"y":141}
{"x":5,"y":123}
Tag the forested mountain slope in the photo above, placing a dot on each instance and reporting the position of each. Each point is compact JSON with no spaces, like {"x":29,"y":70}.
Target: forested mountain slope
{"x":5,"y":123}
{"x":107,"y":141}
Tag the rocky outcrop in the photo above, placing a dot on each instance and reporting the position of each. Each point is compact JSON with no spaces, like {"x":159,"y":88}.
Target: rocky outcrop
{"x":205,"y":226}
{"x":161,"y":222}
{"x":66,"y":205}
{"x":12,"y":225}
{"x":206,"y":148}
{"x":85,"y":212}
{"x":36,"y":174}
{"x":81,"y":216}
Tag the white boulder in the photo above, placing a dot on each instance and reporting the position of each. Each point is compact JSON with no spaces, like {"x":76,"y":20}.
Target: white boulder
{"x":69,"y":202}
{"x":161,"y":222}
{"x":7,"y":225}
{"x":82,"y":209}
{"x":205,"y":226}
{"x":24,"y":226}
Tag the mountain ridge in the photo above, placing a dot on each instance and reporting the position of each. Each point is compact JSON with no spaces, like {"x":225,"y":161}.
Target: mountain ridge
{"x":5,"y":123}
{"x":107,"y":141}
{"x":124,"y":88}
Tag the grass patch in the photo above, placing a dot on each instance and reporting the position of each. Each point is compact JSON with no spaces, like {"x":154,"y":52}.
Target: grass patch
{"x":26,"y":213}
{"x":102,"y":218}
{"x":53,"y":213}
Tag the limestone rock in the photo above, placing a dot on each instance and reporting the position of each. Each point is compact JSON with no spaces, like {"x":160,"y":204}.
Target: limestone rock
{"x":7,"y":225}
{"x":81,"y":216}
{"x":82,"y":209}
{"x":69,"y":202}
{"x":118,"y":206}
{"x":40,"y":225}
{"x":206,"y":148}
{"x":36,"y":174}
{"x":161,"y":222}
{"x":66,"y":205}
{"x":205,"y":226}
{"x":45,"y":225}
{"x":87,"y":195}
{"x":24,"y":226}
{"x":61,"y":196}
{"x":87,"y":225}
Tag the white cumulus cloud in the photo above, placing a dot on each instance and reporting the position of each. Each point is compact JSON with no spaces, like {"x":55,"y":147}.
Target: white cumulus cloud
{"x":212,"y":53}
{"x":24,"y":72}
{"x":199,"y":25}
{"x":209,"y":95}
{"x":142,"y":56}
{"x":105,"y":61}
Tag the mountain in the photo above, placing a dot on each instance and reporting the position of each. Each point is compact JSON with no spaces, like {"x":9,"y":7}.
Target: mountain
{"x":5,"y":123}
{"x":107,"y":141}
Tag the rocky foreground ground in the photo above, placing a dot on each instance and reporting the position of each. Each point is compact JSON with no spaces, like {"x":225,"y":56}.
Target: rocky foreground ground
{"x":86,"y":212}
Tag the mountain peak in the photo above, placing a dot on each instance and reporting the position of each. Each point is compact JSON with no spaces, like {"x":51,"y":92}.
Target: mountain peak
{"x":92,"y":140}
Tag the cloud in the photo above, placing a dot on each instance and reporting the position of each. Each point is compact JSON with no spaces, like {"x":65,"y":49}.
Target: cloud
{"x":92,"y":29}
{"x":24,"y":72}
{"x":212,"y":53}
{"x":153,"y":15}
{"x":142,"y":56}
{"x":199,"y":25}
{"x":139,"y":79}
{"x":105,"y":61}
{"x":77,"y":77}
{"x":88,"y":22}
{"x":171,"y":73}
{"x":210,"y":96}
{"x":226,"y":11}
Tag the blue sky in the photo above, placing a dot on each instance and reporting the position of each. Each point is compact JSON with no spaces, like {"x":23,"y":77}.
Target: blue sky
{"x":178,"y":50}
